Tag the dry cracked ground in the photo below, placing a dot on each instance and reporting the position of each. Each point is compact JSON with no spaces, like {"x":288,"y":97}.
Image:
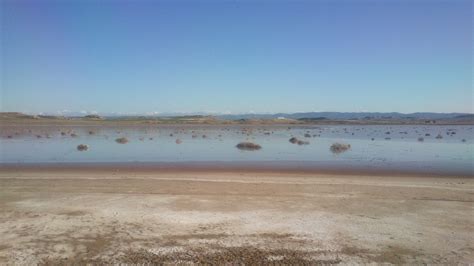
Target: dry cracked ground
{"x":66,"y":217}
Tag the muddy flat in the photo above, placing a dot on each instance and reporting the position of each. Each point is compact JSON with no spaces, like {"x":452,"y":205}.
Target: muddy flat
{"x":150,"y":216}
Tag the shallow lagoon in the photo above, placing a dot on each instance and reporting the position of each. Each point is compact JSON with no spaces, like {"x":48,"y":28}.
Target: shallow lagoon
{"x":400,"y":148}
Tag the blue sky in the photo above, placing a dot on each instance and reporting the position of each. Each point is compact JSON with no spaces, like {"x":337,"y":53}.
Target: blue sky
{"x":236,"y":56}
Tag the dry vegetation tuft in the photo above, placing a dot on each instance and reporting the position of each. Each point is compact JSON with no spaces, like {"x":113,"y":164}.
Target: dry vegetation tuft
{"x":339,"y":148}
{"x":122,"y":140}
{"x":297,"y":141}
{"x":248,"y":146}
{"x":82,"y":147}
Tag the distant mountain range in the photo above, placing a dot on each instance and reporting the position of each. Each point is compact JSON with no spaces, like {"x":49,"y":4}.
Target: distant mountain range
{"x":280,"y":118}
{"x":300,"y":116}
{"x":350,"y":115}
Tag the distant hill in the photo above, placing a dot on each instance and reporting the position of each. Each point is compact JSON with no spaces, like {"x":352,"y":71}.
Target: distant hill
{"x":350,"y":116}
{"x":16,"y":115}
{"x":296,"y":116}
{"x":308,"y":117}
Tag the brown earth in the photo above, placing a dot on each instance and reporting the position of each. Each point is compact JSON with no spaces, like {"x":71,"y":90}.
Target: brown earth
{"x":131,"y":216}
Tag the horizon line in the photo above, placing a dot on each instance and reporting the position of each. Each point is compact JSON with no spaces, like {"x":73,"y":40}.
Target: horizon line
{"x":151,"y":114}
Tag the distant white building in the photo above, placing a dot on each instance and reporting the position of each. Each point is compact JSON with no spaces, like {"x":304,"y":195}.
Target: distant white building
{"x":281,"y":118}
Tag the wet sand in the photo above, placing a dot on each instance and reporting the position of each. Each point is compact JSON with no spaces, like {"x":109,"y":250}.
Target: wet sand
{"x":111,"y":215}
{"x":260,"y":167}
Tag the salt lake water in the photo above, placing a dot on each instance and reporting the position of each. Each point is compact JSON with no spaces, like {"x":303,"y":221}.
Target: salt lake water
{"x":371,"y":145}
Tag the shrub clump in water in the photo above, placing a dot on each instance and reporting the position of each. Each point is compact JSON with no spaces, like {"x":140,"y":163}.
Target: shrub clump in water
{"x":178,"y":141}
{"x":302,"y":142}
{"x":248,"y":146}
{"x":339,"y":147}
{"x":122,"y":140}
{"x":297,"y":141}
{"x":82,"y":147}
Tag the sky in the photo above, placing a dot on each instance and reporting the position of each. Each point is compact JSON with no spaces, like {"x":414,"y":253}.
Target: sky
{"x":143,"y":57}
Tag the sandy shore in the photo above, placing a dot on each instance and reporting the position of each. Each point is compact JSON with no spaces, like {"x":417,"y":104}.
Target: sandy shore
{"x":117,"y":215}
